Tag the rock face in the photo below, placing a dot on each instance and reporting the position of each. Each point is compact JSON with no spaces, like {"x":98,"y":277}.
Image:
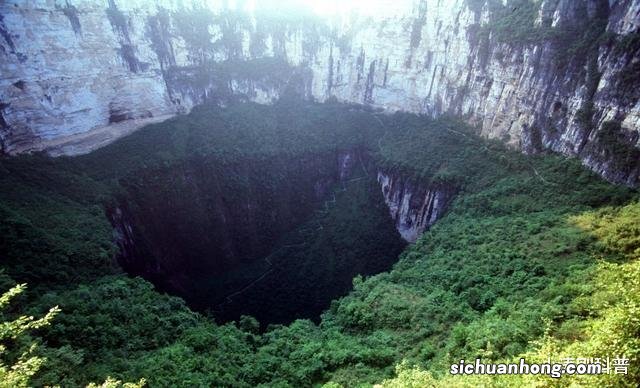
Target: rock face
{"x":413,"y":207}
{"x":77,"y":74}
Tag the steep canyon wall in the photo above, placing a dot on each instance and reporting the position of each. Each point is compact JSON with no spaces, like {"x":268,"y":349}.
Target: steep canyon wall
{"x":557,"y":74}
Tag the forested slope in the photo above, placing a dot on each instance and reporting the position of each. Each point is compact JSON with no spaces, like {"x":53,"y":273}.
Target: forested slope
{"x":534,"y":248}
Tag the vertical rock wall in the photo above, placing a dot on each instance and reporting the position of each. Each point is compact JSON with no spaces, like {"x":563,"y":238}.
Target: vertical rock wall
{"x":558,"y":74}
{"x":413,"y":207}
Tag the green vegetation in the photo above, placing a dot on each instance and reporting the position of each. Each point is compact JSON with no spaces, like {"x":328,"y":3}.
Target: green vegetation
{"x":350,"y":235}
{"x":440,"y":152}
{"x":231,"y":135}
{"x":193,"y":26}
{"x":536,"y":256}
{"x":606,"y":312}
{"x":615,"y":146}
{"x":267,"y":72}
{"x":280,"y":24}
{"x":17,"y":369}
{"x":584,"y":115}
{"x":514,"y":23}
{"x":625,"y":47}
{"x":53,"y":228}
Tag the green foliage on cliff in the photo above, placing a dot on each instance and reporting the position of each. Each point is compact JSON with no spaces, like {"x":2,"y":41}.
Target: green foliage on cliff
{"x":279,"y":24}
{"x":193,"y":26}
{"x":626,"y":48}
{"x":523,"y":22}
{"x":533,"y":249}
{"x":441,"y":151}
{"x":613,"y":141}
{"x":232,"y":135}
{"x":217,"y":78}
{"x":514,"y":22}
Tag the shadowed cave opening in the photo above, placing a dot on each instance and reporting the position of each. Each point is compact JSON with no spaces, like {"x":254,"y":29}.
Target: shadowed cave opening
{"x":276,"y":235}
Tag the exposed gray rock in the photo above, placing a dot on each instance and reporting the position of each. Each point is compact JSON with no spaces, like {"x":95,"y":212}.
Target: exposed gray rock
{"x":413,"y":206}
{"x":76,"y":67}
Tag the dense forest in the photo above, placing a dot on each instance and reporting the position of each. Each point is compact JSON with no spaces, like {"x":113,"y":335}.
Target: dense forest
{"x":537,"y":257}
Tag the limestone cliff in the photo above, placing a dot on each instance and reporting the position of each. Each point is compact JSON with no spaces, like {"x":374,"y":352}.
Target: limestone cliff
{"x":556,"y":74}
{"x":413,"y":206}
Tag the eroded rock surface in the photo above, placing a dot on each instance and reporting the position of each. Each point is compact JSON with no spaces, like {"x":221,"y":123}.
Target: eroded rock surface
{"x":567,"y":83}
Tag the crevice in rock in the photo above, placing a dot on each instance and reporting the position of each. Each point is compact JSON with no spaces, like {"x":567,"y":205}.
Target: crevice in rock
{"x":71,"y":12}
{"x":369,"y":85}
{"x":158,"y":32}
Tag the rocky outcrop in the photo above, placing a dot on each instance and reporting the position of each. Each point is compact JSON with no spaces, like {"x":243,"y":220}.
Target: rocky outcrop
{"x":414,"y":207}
{"x":568,"y":81}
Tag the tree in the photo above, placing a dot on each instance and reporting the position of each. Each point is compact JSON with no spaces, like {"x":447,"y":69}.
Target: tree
{"x":113,"y":383}
{"x":17,"y":371}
